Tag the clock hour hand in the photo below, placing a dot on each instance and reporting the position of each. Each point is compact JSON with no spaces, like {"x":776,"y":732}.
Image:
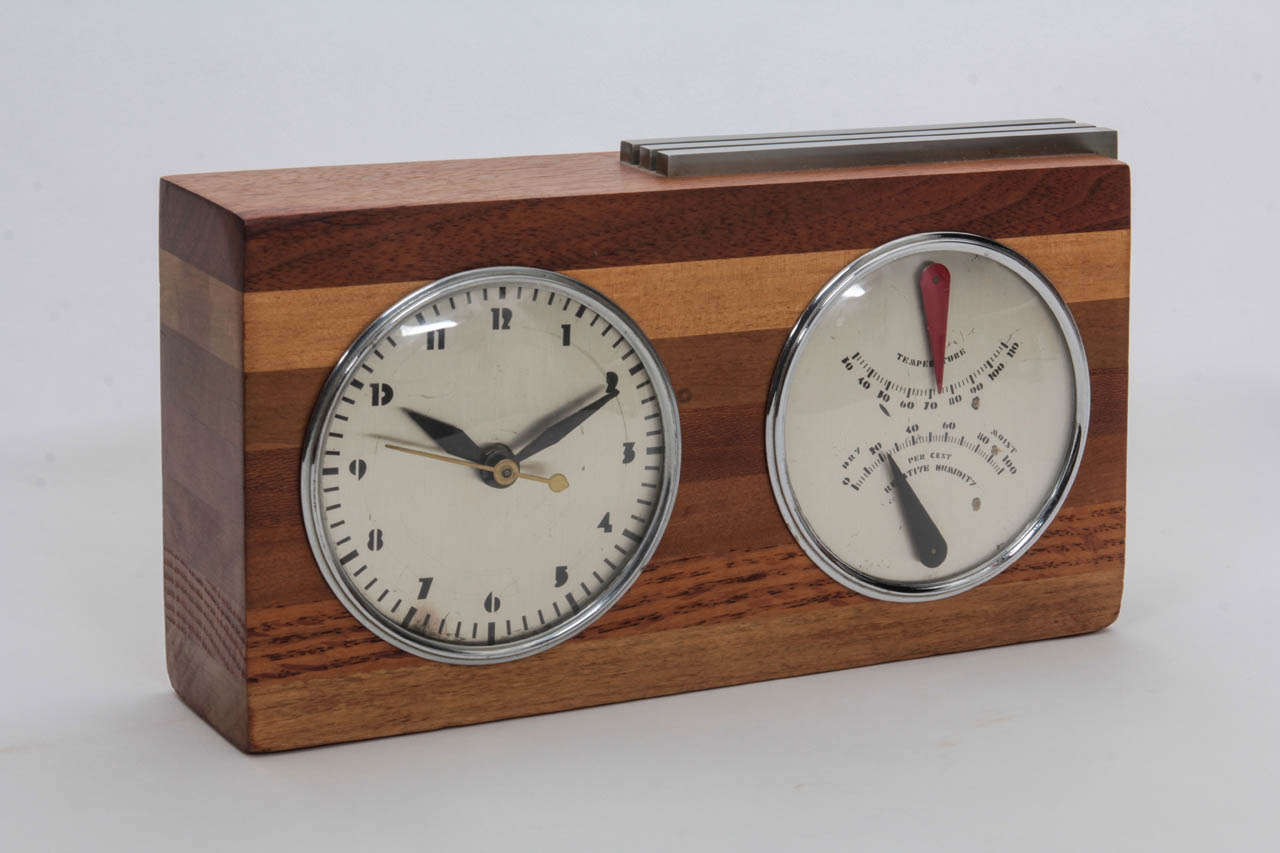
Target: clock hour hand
{"x":566,"y":425}
{"x":450,"y":438}
{"x":926,"y":539}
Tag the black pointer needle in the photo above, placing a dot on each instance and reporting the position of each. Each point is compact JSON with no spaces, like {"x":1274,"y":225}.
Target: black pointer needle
{"x":564,"y":426}
{"x":449,"y":437}
{"x":931,"y":548}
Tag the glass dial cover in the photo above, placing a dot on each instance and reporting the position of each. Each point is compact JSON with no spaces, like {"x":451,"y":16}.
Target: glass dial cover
{"x":904,"y":481}
{"x":490,"y":465}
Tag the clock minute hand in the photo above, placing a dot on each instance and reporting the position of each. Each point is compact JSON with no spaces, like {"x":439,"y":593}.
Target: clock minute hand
{"x":450,"y":438}
{"x":566,"y":425}
{"x":926,"y":538}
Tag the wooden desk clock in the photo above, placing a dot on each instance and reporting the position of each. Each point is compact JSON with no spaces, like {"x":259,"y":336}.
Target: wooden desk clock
{"x":459,"y":441}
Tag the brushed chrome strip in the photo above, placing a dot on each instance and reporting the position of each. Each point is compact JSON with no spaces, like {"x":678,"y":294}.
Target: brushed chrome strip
{"x":692,"y":156}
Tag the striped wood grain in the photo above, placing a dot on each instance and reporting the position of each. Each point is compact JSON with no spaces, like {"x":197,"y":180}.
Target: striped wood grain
{"x":267,"y":277}
{"x":727,"y":557}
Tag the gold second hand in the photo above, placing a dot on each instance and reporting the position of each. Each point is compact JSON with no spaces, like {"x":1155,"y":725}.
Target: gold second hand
{"x":556,"y":482}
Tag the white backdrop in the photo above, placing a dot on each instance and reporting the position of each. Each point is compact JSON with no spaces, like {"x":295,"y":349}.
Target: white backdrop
{"x":1159,"y":732}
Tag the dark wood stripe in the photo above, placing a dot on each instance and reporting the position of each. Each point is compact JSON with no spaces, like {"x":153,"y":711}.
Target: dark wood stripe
{"x":370,"y":246}
{"x":278,"y":406}
{"x":203,"y":461}
{"x":1104,"y":327}
{"x":319,"y":191}
{"x":1109,"y":412}
{"x":714,"y":371}
{"x":202,"y":385}
{"x":202,"y":233}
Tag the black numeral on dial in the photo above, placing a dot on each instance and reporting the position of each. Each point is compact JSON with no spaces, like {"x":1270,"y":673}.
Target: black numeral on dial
{"x":501,"y":318}
{"x":562,"y":575}
{"x":375,"y":539}
{"x":605,"y":525}
{"x":492,"y":603}
{"x":380,"y":393}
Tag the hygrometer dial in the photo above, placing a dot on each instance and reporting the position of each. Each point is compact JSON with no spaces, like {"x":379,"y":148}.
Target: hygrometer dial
{"x":490,"y":465}
{"x":927,"y":416}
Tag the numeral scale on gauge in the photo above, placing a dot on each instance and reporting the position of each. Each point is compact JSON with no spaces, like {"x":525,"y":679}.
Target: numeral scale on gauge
{"x":549,"y":436}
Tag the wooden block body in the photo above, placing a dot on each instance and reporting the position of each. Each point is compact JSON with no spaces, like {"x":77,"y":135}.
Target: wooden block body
{"x":267,"y":277}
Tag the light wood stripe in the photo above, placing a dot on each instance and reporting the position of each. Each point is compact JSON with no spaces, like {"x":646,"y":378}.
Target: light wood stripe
{"x":201,"y":308}
{"x":298,"y":329}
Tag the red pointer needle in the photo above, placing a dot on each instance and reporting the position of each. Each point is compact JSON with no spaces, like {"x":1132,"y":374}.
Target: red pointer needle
{"x":935,"y":293}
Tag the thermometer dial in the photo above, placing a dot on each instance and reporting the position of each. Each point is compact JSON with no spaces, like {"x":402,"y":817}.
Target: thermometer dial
{"x":490,"y":465}
{"x":927,"y":416}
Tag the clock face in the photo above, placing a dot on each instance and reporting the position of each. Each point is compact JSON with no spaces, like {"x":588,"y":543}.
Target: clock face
{"x":490,"y":465}
{"x":927,"y":417}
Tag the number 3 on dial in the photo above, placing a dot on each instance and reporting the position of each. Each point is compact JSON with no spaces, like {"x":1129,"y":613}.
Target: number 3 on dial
{"x":491,"y":423}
